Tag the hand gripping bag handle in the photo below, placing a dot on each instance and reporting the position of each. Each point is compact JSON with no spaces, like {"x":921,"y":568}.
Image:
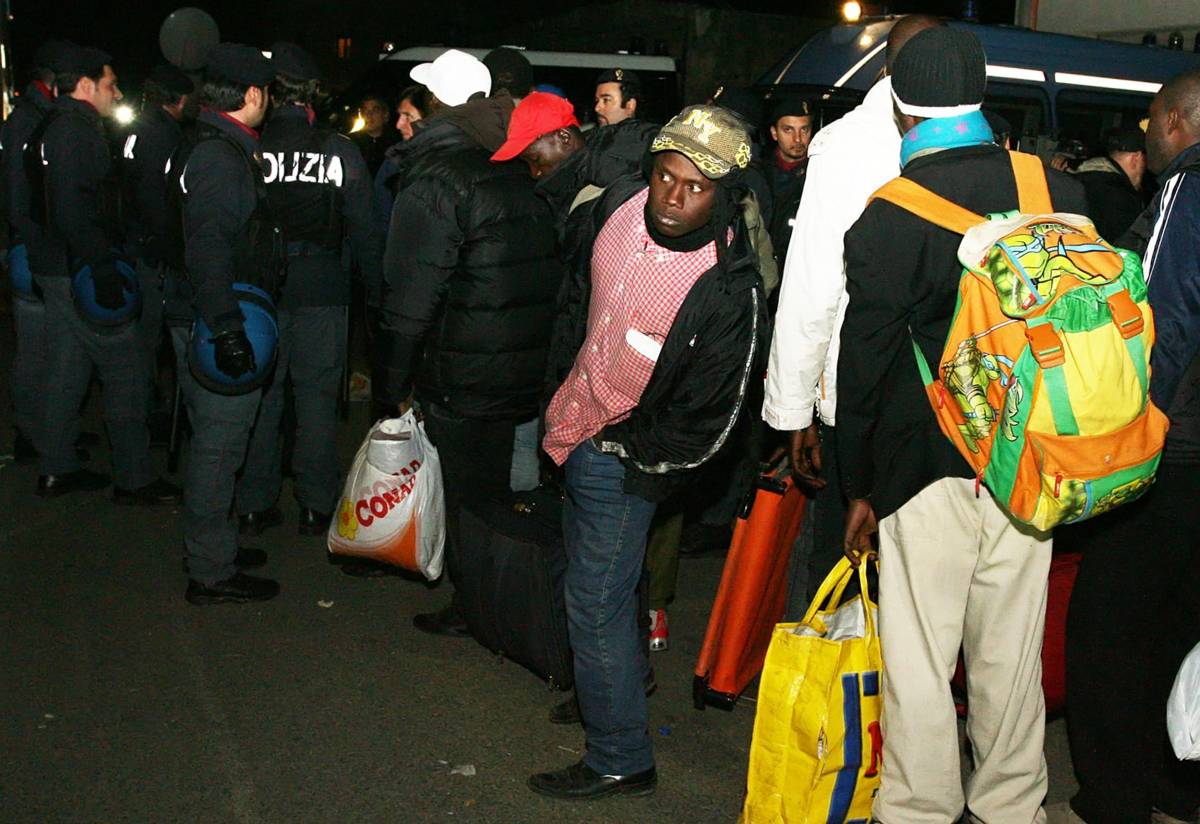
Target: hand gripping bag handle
{"x":831,"y":591}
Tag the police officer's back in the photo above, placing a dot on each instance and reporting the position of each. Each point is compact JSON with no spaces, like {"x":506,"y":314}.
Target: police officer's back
{"x":320,"y":191}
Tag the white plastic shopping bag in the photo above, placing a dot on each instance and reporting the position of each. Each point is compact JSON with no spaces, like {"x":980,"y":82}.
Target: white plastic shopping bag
{"x":392,"y":507}
{"x":1183,"y":709}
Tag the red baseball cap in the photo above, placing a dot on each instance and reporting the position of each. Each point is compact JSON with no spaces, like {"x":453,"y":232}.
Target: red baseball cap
{"x":538,"y":114}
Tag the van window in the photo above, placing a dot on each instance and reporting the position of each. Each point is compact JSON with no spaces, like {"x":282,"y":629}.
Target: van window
{"x":1024,"y":107}
{"x":1087,"y":115}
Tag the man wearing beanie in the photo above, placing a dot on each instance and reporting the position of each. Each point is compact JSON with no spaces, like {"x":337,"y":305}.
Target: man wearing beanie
{"x":848,"y":160}
{"x":470,"y":274}
{"x":954,"y":569}
{"x":654,"y":351}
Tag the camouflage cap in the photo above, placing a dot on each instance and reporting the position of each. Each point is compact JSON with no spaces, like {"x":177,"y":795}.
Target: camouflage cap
{"x":709,"y":136}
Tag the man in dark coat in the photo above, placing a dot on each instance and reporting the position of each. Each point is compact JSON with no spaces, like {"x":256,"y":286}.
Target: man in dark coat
{"x":1113,"y":183}
{"x":470,"y":276}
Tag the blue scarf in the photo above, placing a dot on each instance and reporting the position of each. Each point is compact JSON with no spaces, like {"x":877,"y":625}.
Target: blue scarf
{"x":940,"y":133}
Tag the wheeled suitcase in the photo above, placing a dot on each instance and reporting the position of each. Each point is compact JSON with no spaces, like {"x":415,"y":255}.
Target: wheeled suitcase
{"x":752,"y":596}
{"x":511,"y":581}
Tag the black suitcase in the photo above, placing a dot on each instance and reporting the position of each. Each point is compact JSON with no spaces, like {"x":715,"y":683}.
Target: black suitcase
{"x":511,"y":587}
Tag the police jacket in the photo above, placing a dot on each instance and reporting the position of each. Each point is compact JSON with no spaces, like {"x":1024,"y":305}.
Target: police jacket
{"x":1172,"y":269}
{"x":902,"y":275}
{"x":786,"y":186}
{"x":144,"y":156}
{"x":74,"y":191}
{"x":31,"y":107}
{"x":470,"y":273}
{"x":694,"y":410}
{"x":229,"y":235}
{"x":320,"y":193}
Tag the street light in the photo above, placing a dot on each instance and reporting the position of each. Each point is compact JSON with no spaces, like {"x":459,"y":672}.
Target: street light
{"x":851,"y":11}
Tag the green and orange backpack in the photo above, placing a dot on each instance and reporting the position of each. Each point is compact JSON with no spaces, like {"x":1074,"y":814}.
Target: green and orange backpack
{"x":1043,"y":382}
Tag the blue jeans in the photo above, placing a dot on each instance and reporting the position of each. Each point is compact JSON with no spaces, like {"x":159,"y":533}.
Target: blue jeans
{"x":526,"y":471}
{"x":605,"y":531}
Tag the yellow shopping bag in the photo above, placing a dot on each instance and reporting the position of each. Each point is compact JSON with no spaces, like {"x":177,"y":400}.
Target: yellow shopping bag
{"x":818,"y":749}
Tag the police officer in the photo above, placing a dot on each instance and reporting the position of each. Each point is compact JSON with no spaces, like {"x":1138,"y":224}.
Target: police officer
{"x":29,"y":315}
{"x":75,"y":194}
{"x":167,"y":104}
{"x":228,"y":237}
{"x":320,"y":191}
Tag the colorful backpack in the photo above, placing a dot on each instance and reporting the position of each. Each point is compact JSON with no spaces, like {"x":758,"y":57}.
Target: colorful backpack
{"x":1043,"y":383}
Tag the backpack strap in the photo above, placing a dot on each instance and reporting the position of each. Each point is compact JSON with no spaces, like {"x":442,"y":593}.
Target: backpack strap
{"x":1033,"y":193}
{"x":915,"y":198}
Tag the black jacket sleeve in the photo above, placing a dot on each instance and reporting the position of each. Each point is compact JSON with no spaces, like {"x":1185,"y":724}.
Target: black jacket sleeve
{"x":423,"y":244}
{"x":219,"y":200}
{"x":362,"y":222}
{"x":77,"y":168}
{"x":875,"y":331}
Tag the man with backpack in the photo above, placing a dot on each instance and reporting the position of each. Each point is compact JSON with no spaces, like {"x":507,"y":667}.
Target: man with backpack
{"x":1134,"y":610}
{"x":955,"y":570}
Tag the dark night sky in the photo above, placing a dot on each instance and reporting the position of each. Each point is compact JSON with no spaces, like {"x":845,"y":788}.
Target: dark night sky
{"x":130,"y":30}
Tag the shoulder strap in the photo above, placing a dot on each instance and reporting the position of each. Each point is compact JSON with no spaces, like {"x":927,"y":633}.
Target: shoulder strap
{"x":1033,"y":194}
{"x":915,"y":198}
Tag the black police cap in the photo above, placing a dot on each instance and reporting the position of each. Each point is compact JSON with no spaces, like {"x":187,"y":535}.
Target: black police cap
{"x":294,"y":62}
{"x":171,"y":79}
{"x":86,"y":60}
{"x":788,"y":107}
{"x":618,"y":75}
{"x":1125,"y":139}
{"x":238,"y":63}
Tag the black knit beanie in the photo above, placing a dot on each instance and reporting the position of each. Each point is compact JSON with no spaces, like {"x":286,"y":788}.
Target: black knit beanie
{"x":940,"y":72}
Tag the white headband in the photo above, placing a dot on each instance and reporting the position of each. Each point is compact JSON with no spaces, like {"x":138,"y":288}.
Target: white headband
{"x":934,"y":111}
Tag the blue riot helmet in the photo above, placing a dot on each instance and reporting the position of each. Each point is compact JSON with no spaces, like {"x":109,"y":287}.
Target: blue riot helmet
{"x":83,"y":290}
{"x":258,"y":321}
{"x":20,"y":274}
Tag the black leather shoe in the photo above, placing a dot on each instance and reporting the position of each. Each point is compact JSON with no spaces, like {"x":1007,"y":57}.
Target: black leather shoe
{"x":579,"y":782}
{"x":249,"y":557}
{"x":568,"y":711}
{"x":313,"y":522}
{"x":447,"y":621}
{"x":155,"y":493}
{"x":362,"y":567}
{"x":255,"y":523}
{"x":81,"y":480}
{"x":234,"y":590}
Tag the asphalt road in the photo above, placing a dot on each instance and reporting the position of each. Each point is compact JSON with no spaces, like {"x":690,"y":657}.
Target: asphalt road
{"x":119,"y":702}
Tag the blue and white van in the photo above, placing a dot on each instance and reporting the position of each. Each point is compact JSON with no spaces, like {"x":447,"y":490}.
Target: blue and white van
{"x":1052,"y":88}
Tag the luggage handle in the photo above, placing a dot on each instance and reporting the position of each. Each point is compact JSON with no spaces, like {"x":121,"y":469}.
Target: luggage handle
{"x":831,"y":592}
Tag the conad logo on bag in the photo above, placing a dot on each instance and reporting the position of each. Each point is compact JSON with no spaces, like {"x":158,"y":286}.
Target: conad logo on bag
{"x":369,"y":506}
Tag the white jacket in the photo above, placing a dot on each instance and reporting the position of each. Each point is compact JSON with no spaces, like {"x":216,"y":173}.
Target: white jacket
{"x":849,"y":160}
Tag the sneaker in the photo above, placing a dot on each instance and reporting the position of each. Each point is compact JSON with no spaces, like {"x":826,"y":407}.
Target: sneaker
{"x":658,"y":630}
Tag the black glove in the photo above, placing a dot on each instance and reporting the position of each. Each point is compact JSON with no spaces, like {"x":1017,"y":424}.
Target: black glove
{"x":233,"y":353}
{"x":109,"y":286}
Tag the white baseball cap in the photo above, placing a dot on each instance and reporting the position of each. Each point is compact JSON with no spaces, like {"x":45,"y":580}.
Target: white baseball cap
{"x":453,"y":77}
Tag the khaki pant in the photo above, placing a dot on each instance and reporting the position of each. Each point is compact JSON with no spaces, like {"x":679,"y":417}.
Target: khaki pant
{"x":955,"y":570}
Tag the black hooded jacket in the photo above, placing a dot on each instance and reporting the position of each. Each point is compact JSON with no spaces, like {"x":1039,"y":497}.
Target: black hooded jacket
{"x":694,"y":409}
{"x":470,"y":272}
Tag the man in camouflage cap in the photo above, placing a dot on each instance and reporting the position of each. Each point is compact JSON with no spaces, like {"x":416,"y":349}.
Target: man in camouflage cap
{"x":656,"y":348}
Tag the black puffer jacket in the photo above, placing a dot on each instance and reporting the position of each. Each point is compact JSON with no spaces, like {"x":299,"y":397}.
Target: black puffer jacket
{"x":470,"y":273}
{"x":694,"y":410}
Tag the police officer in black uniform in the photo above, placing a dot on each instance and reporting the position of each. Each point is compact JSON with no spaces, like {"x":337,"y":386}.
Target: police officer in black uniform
{"x":320,"y":191}
{"x":29,"y":314}
{"x":228,"y":237}
{"x":75,"y":193}
{"x":167,"y":106}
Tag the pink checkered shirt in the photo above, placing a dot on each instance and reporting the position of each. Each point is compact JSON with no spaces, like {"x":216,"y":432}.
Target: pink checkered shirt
{"x":637,"y":289}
